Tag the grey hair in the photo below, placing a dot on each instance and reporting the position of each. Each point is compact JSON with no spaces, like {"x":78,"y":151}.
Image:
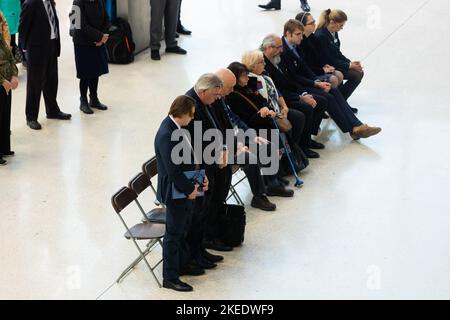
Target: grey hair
{"x":250,"y":59}
{"x":268,"y":41}
{"x":208,"y":81}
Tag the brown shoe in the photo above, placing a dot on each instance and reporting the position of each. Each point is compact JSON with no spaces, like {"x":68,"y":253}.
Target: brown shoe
{"x":364,"y":131}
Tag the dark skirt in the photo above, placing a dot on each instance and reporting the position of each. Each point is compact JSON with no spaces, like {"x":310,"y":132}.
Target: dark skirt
{"x":91,"y":62}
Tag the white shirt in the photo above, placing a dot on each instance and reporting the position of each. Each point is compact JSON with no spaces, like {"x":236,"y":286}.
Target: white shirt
{"x":53,"y":34}
{"x":176,"y":123}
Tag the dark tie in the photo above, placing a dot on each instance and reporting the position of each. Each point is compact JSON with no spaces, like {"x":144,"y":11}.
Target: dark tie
{"x":51,"y":15}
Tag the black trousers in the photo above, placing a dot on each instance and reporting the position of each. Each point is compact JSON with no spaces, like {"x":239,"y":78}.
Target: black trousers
{"x":298,"y":120}
{"x":175,"y":248}
{"x":222,"y":183}
{"x":201,"y":210}
{"x":337,"y":108}
{"x":313,"y":118}
{"x":179,"y":16}
{"x":5,"y":121}
{"x":253,"y":172}
{"x":353,"y":80}
{"x":43,"y":78}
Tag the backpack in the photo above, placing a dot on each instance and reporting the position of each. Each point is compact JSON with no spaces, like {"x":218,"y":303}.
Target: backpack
{"x":232,"y":220}
{"x":120,"y":45}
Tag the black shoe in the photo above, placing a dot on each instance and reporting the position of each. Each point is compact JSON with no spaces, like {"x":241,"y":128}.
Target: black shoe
{"x":84,"y":106}
{"x":154,"y":54}
{"x":263,"y":203}
{"x":216,"y":245}
{"x":9,"y":154}
{"x":59,"y":116}
{"x":325,"y":116}
{"x":204,"y":263}
{"x":280,"y":191}
{"x":283,"y":181}
{"x":183,"y":30}
{"x":176,"y":50}
{"x":305,"y":6}
{"x":3,"y":162}
{"x":310,"y":154}
{"x":269,"y":6}
{"x":33,"y":124}
{"x":177,"y":285}
{"x":95,"y":103}
{"x":211,"y":257}
{"x":191,"y":270}
{"x":315,"y":145}
{"x":354,"y":110}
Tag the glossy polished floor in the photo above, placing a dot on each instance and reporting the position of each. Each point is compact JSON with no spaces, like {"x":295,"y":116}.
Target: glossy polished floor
{"x":372,"y":220}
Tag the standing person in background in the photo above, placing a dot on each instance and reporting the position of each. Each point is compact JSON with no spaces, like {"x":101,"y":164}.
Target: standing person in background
{"x":39,"y":34}
{"x":328,"y":27}
{"x":180,"y":28}
{"x":276,"y":4}
{"x":91,"y":58}
{"x":11,"y":10}
{"x":8,"y":81}
{"x":169,"y":10}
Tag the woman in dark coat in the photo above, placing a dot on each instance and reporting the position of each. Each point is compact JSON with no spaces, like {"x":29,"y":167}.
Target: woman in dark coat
{"x":328,"y":27}
{"x":90,"y":33}
{"x":8,"y":82}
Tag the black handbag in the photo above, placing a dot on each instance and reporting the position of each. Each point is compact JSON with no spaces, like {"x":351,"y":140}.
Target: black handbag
{"x":232,"y":222}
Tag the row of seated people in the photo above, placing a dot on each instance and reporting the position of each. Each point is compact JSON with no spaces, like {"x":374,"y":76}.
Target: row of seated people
{"x":274,"y":82}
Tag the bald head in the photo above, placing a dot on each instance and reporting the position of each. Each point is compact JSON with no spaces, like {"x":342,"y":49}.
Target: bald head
{"x":228,"y":79}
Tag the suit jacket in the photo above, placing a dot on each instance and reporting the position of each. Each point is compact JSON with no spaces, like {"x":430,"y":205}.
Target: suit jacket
{"x":35,"y":31}
{"x":332,"y":50}
{"x":296,"y":67}
{"x":201,"y":115}
{"x":291,"y":90}
{"x":313,"y":53}
{"x":168,"y":172}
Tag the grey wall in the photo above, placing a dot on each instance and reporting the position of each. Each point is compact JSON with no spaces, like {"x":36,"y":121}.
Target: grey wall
{"x":137,"y":12}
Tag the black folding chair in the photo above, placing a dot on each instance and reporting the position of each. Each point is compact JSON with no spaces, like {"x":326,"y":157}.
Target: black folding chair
{"x":138,"y":184}
{"x":150,"y":168}
{"x":153,"y":232}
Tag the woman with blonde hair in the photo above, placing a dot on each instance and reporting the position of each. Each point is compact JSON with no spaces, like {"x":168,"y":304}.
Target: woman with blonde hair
{"x":328,"y":27}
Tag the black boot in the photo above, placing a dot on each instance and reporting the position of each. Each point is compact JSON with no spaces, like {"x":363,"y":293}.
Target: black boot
{"x":305,"y":6}
{"x":95,"y":103}
{"x":273,"y":4}
{"x":84,"y":106}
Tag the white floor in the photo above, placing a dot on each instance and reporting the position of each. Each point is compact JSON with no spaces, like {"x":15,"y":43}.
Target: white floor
{"x":371,"y":222}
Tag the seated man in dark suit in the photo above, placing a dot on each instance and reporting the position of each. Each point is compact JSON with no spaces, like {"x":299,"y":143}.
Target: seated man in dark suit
{"x":205,"y":92}
{"x":179,"y":211}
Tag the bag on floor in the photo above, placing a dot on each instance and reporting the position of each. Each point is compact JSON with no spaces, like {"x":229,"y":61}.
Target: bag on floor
{"x":232,"y":222}
{"x":120,"y":44}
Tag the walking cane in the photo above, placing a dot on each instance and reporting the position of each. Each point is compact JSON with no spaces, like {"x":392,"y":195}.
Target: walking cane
{"x":298,"y":181}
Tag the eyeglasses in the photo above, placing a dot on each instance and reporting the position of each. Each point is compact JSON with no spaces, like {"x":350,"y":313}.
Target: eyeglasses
{"x":311,"y":23}
{"x":262,"y":61}
{"x":297,"y":34}
{"x":278,"y":47}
